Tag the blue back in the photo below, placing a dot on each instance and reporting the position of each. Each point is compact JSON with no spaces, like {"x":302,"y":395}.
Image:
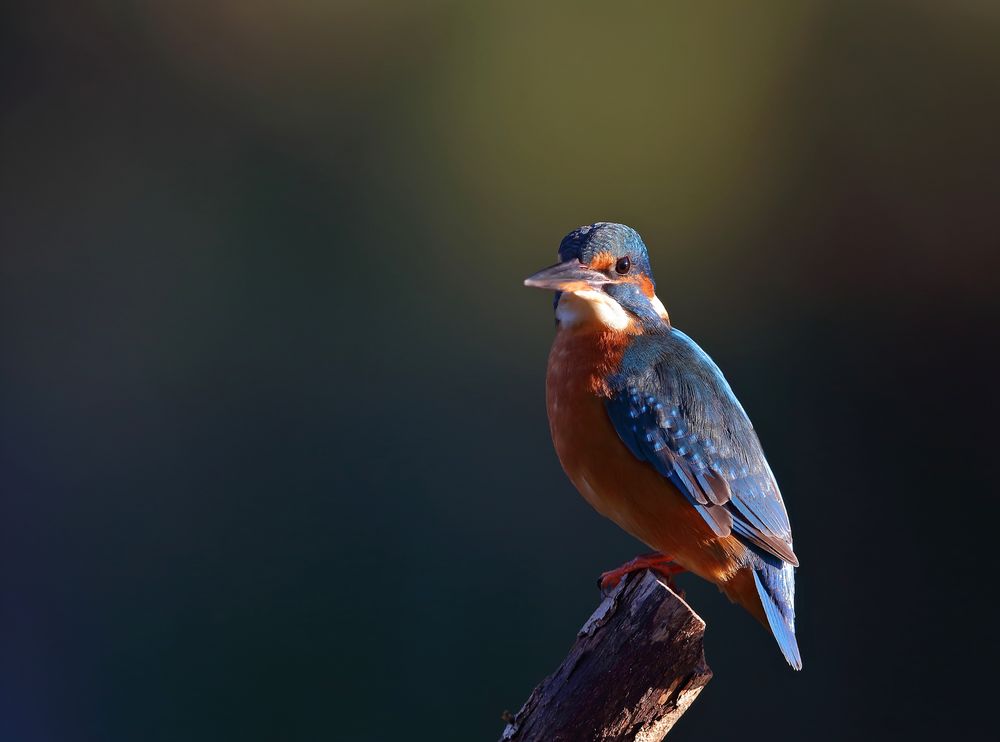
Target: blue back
{"x":673,"y":408}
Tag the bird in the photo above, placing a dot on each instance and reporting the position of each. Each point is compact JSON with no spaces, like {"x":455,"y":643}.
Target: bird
{"x":650,"y":433}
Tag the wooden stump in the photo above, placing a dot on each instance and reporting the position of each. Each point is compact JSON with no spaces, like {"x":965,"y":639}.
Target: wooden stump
{"x":636,"y":666}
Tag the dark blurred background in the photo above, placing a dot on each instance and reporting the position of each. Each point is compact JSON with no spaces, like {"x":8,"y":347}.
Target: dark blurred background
{"x":275,"y":462}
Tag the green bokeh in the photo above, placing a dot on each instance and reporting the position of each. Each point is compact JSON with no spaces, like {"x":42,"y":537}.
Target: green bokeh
{"x":274,"y":449}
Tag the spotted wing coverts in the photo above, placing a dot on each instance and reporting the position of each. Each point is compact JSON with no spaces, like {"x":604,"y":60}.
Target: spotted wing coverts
{"x":672,"y":407}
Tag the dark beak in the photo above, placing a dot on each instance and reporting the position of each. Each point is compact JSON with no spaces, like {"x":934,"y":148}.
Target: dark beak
{"x":569,"y":276}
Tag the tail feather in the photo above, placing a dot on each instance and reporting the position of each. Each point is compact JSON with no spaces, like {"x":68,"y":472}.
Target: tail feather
{"x":776,"y":588}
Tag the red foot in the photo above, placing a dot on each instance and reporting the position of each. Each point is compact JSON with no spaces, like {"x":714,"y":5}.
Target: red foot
{"x":659,"y":563}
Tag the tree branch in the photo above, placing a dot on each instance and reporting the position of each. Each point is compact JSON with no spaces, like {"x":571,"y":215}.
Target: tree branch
{"x":636,"y":666}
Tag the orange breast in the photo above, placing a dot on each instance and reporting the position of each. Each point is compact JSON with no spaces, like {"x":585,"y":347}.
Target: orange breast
{"x":619,"y":486}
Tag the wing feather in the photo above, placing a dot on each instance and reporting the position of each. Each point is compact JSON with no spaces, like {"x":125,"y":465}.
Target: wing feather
{"x":673,"y":408}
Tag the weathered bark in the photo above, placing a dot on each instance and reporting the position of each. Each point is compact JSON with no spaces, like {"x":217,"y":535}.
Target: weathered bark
{"x":636,"y":666}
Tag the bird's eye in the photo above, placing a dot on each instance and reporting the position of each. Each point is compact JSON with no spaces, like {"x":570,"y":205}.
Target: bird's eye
{"x":622,"y":266}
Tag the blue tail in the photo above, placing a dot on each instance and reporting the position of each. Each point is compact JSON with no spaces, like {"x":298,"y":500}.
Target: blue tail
{"x":776,"y":587}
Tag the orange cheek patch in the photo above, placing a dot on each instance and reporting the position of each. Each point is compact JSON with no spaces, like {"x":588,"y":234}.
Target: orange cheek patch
{"x":603,"y":261}
{"x":646,"y":286}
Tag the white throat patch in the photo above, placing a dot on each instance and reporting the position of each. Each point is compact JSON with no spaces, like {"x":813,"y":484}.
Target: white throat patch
{"x":658,"y":306}
{"x":591,"y":307}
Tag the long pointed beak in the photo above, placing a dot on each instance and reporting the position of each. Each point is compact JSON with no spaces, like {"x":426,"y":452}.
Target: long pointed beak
{"x":569,"y":276}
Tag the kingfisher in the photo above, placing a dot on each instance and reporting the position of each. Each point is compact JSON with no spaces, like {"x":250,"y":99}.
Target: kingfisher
{"x":649,"y":431}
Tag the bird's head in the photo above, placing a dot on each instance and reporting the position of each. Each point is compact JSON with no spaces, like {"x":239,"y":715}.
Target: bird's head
{"x":603,"y":277}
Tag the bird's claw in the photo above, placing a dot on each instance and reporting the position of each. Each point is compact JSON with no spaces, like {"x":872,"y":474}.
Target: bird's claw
{"x":661,"y":564}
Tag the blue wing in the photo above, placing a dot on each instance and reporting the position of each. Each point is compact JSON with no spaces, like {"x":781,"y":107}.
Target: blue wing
{"x":672,"y":407}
